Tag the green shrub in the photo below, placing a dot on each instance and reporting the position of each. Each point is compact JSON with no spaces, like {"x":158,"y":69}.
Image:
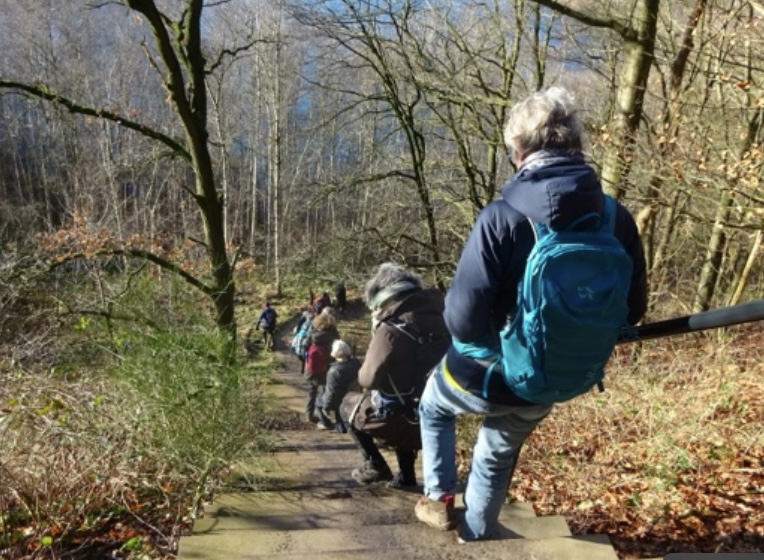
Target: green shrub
{"x":194,"y":411}
{"x":117,"y":412}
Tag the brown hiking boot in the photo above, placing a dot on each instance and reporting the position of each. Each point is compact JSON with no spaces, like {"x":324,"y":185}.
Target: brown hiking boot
{"x":438,"y":514}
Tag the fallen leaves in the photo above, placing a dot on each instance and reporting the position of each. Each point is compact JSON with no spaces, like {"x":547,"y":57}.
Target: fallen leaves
{"x":675,"y":464}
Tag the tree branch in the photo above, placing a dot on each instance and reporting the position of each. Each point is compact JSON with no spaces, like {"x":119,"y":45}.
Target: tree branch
{"x":624,"y":31}
{"x":234,"y":52}
{"x":43,"y":92}
{"x":174,"y":81}
{"x":165,"y":264}
{"x":148,"y":256}
{"x":109,"y":316}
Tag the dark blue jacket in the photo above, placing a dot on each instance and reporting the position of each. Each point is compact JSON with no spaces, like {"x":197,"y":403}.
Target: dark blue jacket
{"x":267,"y":318}
{"x":483,"y":292}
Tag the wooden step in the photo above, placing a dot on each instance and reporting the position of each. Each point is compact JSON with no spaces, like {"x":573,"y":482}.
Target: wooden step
{"x":394,"y":542}
{"x":307,"y":505}
{"x":347,"y":509}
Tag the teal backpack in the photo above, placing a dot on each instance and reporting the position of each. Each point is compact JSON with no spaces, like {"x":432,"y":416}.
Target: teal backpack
{"x":302,"y":338}
{"x":572,"y":302}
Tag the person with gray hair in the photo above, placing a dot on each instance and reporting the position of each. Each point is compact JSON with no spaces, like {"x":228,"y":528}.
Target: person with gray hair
{"x":555,"y":187}
{"x":403,"y":312}
{"x":341,"y":378}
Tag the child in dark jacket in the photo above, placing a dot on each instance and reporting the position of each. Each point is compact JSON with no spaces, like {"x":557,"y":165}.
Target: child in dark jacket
{"x":341,"y":378}
{"x":267,"y":320}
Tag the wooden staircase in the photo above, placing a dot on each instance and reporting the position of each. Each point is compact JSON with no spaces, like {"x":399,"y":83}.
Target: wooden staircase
{"x":304,"y":502}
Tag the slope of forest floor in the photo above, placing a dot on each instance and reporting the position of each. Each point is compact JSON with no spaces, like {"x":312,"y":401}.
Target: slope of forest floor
{"x":669,"y":458}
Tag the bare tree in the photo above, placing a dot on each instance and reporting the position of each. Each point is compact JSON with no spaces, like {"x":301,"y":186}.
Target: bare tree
{"x":670,"y":123}
{"x":637,"y":33}
{"x":369,"y":32}
{"x":180,"y":60}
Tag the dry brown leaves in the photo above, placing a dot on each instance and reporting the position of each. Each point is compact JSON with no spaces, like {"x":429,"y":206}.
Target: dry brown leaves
{"x":670,"y":458}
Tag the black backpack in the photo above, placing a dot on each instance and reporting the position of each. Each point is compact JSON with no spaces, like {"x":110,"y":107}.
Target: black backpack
{"x":432,"y":348}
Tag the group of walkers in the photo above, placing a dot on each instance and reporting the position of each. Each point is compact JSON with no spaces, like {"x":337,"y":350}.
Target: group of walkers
{"x":375,"y":401}
{"x":506,"y":342}
{"x":268,"y":318}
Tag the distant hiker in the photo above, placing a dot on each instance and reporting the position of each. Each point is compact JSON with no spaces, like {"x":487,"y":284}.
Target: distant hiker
{"x":321,"y":301}
{"x":402,"y":313}
{"x":318,"y":359}
{"x":305,"y":317}
{"x":340,"y":296}
{"x":301,"y":338}
{"x":341,"y":379}
{"x":490,"y":363}
{"x":267,"y":320}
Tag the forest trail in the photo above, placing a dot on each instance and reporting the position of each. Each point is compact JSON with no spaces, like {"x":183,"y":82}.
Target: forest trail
{"x":305,"y":502}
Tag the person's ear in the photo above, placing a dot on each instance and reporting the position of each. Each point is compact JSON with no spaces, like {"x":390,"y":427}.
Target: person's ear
{"x":518,"y":154}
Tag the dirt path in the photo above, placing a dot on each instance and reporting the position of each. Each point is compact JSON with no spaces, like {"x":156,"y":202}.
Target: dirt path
{"x":305,"y":502}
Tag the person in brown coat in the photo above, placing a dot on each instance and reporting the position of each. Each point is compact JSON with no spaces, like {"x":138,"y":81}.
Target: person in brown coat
{"x":407,"y":319}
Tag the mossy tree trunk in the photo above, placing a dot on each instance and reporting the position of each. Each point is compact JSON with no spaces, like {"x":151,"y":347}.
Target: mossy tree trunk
{"x":180,"y":61}
{"x":638,"y":45}
{"x":180,"y":48}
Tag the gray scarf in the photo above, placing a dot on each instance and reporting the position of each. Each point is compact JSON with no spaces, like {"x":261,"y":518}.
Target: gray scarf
{"x":385,"y":294}
{"x":547,"y":157}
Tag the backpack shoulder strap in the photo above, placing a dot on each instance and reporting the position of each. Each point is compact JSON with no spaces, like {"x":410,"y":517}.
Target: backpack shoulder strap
{"x":413,"y":331}
{"x":535,"y":229}
{"x":409,"y":329}
{"x":609,"y":212}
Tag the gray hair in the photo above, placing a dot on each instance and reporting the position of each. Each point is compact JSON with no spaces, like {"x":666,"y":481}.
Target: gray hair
{"x":389,"y":280}
{"x":546,"y":119}
{"x":341,"y":350}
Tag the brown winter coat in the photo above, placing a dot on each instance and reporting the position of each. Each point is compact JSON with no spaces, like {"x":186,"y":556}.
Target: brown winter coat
{"x":391,"y":354}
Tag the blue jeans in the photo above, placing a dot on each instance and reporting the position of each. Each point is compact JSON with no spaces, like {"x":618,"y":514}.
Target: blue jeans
{"x":501,"y":435}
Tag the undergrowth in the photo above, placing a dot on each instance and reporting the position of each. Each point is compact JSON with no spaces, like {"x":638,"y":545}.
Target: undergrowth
{"x":670,"y":457}
{"x":118,"y":417}
{"x":122,"y":423}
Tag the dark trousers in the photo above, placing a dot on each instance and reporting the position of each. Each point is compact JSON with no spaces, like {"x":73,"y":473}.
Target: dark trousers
{"x":268,"y":341}
{"x":326,"y":416}
{"x":370,"y":452}
{"x":314,"y":390}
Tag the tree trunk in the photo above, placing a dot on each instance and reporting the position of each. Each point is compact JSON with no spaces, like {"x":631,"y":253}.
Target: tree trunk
{"x":709,"y":273}
{"x":638,"y":45}
{"x":716,"y":243}
{"x":666,"y":142}
{"x":188,"y":94}
{"x":745,"y":274}
{"x":638,"y":51}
